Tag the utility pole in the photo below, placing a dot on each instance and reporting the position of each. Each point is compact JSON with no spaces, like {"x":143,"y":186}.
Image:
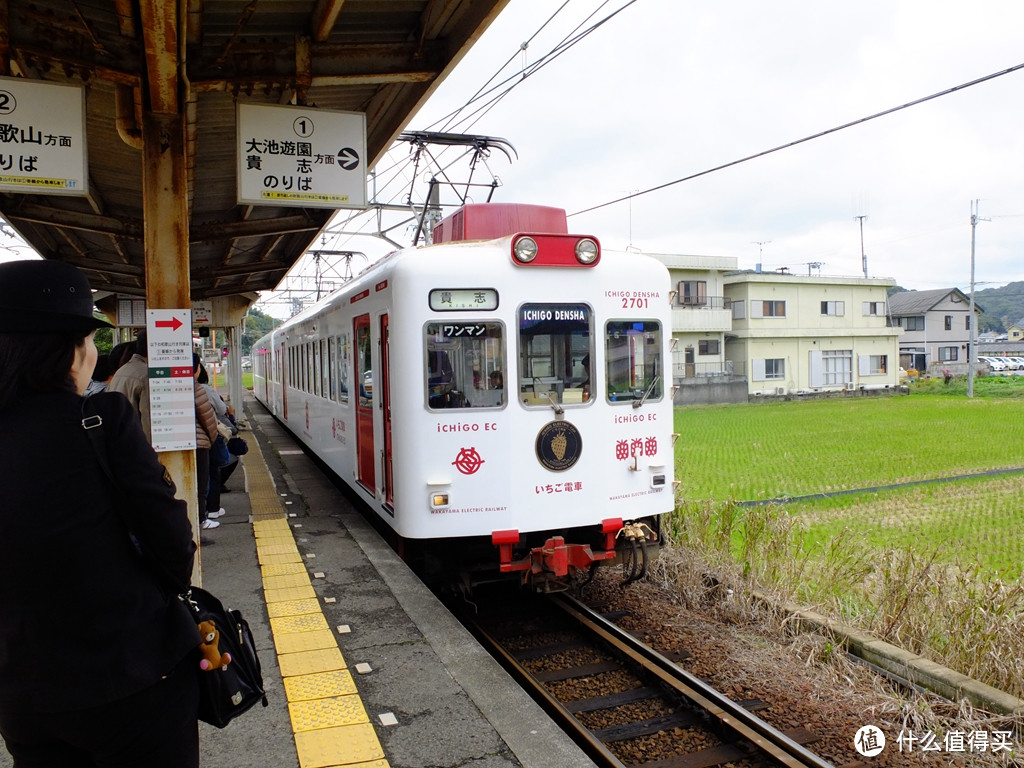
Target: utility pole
{"x":863,"y":258}
{"x":973,"y":319}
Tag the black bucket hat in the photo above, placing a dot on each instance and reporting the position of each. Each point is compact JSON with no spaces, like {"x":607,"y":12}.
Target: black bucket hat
{"x":45,"y":296}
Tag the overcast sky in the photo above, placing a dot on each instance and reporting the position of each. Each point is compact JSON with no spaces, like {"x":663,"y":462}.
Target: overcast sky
{"x":670,"y":88}
{"x":666,"y":89}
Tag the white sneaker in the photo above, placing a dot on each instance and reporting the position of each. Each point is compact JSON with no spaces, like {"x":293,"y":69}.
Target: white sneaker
{"x":210,"y":524}
{"x":219,"y":513}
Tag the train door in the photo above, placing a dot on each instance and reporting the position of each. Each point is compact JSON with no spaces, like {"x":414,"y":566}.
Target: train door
{"x":385,"y":401}
{"x":283,"y":378}
{"x":363,"y":349}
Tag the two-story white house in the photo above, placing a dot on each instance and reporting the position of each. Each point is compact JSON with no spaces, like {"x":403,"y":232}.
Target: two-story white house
{"x":700,"y":321}
{"x":936,"y":328}
{"x":802,"y":334}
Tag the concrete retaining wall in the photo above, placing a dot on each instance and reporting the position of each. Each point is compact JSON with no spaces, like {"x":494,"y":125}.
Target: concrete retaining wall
{"x":917,"y":669}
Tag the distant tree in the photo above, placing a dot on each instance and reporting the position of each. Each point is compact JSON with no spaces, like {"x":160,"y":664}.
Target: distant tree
{"x":257,"y":325}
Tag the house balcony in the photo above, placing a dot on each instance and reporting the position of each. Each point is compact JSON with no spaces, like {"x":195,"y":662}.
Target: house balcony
{"x":717,"y":369}
{"x":701,"y":313}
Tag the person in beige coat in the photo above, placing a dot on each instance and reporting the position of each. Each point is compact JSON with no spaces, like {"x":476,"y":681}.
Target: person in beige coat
{"x":206,"y":433}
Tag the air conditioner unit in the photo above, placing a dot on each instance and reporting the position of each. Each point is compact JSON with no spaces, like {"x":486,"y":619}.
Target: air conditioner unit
{"x":850,"y":386}
{"x":780,"y":390}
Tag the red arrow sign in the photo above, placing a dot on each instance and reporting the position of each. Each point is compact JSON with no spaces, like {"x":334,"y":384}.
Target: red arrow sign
{"x":174,"y":323}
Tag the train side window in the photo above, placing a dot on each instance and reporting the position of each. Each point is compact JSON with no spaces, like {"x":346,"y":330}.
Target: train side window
{"x":634,"y":369}
{"x":554,"y":354}
{"x":325,"y":369}
{"x":464,"y":365}
{"x":364,"y":373}
{"x":342,"y":358}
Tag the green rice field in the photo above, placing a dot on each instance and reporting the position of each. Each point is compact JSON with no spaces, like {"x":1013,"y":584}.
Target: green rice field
{"x":785,"y":450}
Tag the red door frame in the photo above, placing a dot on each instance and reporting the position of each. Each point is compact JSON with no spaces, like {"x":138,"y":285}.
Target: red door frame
{"x":385,"y":400}
{"x":364,"y":413}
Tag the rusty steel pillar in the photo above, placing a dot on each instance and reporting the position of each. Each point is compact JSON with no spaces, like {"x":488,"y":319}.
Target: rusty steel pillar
{"x":165,"y":213}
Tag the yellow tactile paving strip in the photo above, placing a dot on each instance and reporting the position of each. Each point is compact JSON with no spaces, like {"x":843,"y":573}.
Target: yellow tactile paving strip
{"x":330,"y":724}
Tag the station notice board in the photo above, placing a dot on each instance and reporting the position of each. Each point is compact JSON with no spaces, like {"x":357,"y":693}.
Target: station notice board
{"x":172,"y":399}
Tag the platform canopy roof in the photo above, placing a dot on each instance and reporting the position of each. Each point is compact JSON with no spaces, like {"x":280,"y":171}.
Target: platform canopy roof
{"x":200,"y":58}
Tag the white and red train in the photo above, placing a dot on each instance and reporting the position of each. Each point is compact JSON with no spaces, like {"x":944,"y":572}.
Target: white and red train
{"x":500,"y":399}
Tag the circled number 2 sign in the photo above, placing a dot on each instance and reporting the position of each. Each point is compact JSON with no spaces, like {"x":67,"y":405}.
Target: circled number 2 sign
{"x":7,"y":103}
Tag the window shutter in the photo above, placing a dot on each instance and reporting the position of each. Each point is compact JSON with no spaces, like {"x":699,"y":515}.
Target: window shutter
{"x":815,"y":369}
{"x":758,"y":370}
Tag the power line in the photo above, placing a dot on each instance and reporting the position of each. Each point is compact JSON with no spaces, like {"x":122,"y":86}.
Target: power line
{"x":516,"y":79}
{"x":807,"y":138}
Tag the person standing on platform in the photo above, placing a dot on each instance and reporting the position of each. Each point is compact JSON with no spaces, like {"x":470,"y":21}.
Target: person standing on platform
{"x":132,"y":381}
{"x":98,"y":660}
{"x":206,"y":433}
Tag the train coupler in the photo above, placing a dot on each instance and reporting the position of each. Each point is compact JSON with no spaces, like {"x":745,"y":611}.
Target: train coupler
{"x":548,"y":564}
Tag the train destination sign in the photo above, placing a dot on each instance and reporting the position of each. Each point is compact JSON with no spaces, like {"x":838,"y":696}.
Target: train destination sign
{"x":42,"y":137}
{"x":452,"y":299}
{"x":301,"y":156}
{"x":538,"y":318}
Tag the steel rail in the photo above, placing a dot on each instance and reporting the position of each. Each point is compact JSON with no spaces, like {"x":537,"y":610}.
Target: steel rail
{"x":745,"y":724}
{"x":590,"y":744}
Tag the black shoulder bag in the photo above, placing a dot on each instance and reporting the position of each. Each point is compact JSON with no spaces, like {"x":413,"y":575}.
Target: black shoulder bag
{"x":234,"y":687}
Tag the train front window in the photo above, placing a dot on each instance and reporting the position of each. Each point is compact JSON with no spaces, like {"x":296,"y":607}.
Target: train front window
{"x":633,"y":366}
{"x":465,"y":365}
{"x":554,"y":354}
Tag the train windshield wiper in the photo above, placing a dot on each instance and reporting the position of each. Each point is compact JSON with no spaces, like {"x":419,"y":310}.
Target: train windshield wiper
{"x":555,"y":406}
{"x":642,"y":400}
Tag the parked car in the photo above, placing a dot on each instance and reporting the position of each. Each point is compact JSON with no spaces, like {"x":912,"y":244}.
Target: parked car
{"x":994,"y":363}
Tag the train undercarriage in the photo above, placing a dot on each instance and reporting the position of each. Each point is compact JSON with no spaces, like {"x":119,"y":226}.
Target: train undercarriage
{"x":540,"y":561}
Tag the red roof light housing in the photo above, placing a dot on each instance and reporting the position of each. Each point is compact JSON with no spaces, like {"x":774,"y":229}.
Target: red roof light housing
{"x":545,"y":250}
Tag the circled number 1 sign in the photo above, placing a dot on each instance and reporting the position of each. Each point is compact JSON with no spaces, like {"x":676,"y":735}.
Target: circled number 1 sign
{"x":301,"y":156}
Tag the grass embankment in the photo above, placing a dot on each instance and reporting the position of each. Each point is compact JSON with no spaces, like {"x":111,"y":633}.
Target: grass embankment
{"x":935,"y":568}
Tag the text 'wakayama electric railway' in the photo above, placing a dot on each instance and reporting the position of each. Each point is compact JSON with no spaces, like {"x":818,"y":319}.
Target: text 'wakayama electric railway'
{"x":500,"y":399}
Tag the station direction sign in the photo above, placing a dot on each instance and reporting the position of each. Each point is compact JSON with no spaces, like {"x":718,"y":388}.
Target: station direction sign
{"x":301,"y":156}
{"x":42,"y":137}
{"x":172,"y":400}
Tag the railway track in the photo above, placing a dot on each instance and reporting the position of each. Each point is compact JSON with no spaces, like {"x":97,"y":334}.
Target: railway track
{"x":624,"y":703}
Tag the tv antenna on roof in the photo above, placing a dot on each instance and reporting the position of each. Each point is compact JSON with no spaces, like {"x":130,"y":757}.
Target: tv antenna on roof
{"x":863,"y":258}
{"x":760,"y":251}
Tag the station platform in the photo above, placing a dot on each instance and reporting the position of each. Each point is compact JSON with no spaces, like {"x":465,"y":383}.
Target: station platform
{"x":363,"y":665}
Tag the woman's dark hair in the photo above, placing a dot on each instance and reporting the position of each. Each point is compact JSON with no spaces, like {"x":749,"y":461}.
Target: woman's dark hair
{"x":121,"y":354}
{"x":102,"y":371}
{"x":204,"y":377}
{"x":36,"y":362}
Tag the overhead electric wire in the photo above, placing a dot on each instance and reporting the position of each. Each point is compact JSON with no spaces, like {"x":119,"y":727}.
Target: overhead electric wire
{"x":505,"y":87}
{"x":510,"y":59}
{"x":518,"y":78}
{"x":818,"y":135}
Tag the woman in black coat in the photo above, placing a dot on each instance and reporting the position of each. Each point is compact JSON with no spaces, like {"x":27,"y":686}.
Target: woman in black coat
{"x":97,"y":654}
